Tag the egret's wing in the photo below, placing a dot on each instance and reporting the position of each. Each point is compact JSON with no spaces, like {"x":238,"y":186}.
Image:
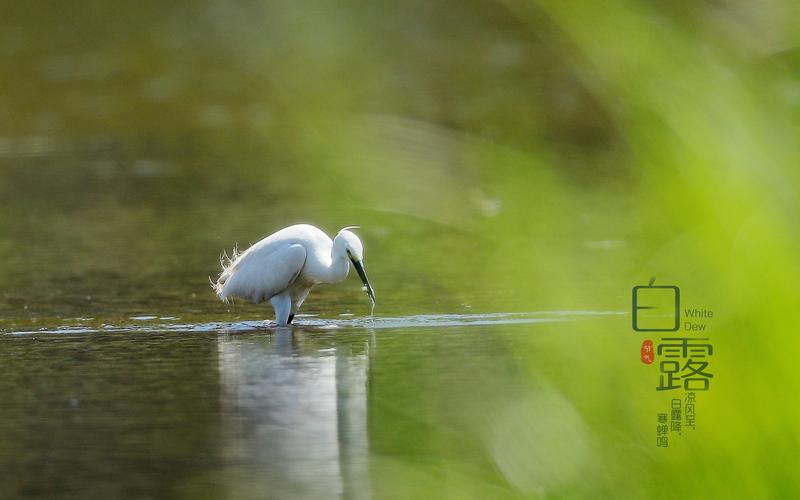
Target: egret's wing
{"x":261,"y":273}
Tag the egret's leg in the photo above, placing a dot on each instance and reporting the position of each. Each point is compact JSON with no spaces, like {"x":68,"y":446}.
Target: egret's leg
{"x":282,"y":304}
{"x":298,"y":296}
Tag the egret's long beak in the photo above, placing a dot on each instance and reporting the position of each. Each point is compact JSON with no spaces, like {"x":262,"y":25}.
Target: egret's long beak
{"x":362,"y":273}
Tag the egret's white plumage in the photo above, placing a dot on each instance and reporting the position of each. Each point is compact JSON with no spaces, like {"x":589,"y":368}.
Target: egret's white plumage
{"x":283,"y":267}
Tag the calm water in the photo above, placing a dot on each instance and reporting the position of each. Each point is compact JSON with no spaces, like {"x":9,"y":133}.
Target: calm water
{"x":156,"y":407}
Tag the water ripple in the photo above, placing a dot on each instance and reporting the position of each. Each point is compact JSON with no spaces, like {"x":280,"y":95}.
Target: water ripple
{"x":313,"y":322}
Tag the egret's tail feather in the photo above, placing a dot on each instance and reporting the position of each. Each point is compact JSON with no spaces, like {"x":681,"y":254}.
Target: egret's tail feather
{"x":226,"y":261}
{"x":219,"y":287}
{"x":227,"y":264}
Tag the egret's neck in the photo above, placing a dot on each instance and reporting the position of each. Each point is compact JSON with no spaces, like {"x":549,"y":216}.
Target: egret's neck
{"x":338,"y":269}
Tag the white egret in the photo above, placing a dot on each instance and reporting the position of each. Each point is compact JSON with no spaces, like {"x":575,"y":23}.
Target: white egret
{"x":283,"y":267}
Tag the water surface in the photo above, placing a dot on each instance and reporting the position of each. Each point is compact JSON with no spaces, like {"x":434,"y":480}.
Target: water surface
{"x":157,"y":407}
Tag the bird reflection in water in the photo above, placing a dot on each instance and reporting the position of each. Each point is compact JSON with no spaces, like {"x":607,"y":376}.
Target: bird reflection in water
{"x":294,"y":412}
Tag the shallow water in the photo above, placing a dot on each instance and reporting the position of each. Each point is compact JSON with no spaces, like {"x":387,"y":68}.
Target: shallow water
{"x":158,"y":407}
{"x":312,"y":322}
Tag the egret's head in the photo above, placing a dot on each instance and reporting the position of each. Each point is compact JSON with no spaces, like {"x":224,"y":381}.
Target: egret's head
{"x":347,"y":244}
{"x":350,"y":244}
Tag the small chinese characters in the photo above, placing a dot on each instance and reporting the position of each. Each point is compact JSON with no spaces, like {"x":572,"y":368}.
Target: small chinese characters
{"x":646,"y":353}
{"x":689,"y":415}
{"x":662,"y":431}
{"x":675,"y":414}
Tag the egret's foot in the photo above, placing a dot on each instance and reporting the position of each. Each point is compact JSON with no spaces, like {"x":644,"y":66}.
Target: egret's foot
{"x":291,"y":317}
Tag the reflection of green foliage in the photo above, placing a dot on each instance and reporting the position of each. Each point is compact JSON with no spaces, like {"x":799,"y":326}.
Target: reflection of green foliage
{"x":559,"y":152}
